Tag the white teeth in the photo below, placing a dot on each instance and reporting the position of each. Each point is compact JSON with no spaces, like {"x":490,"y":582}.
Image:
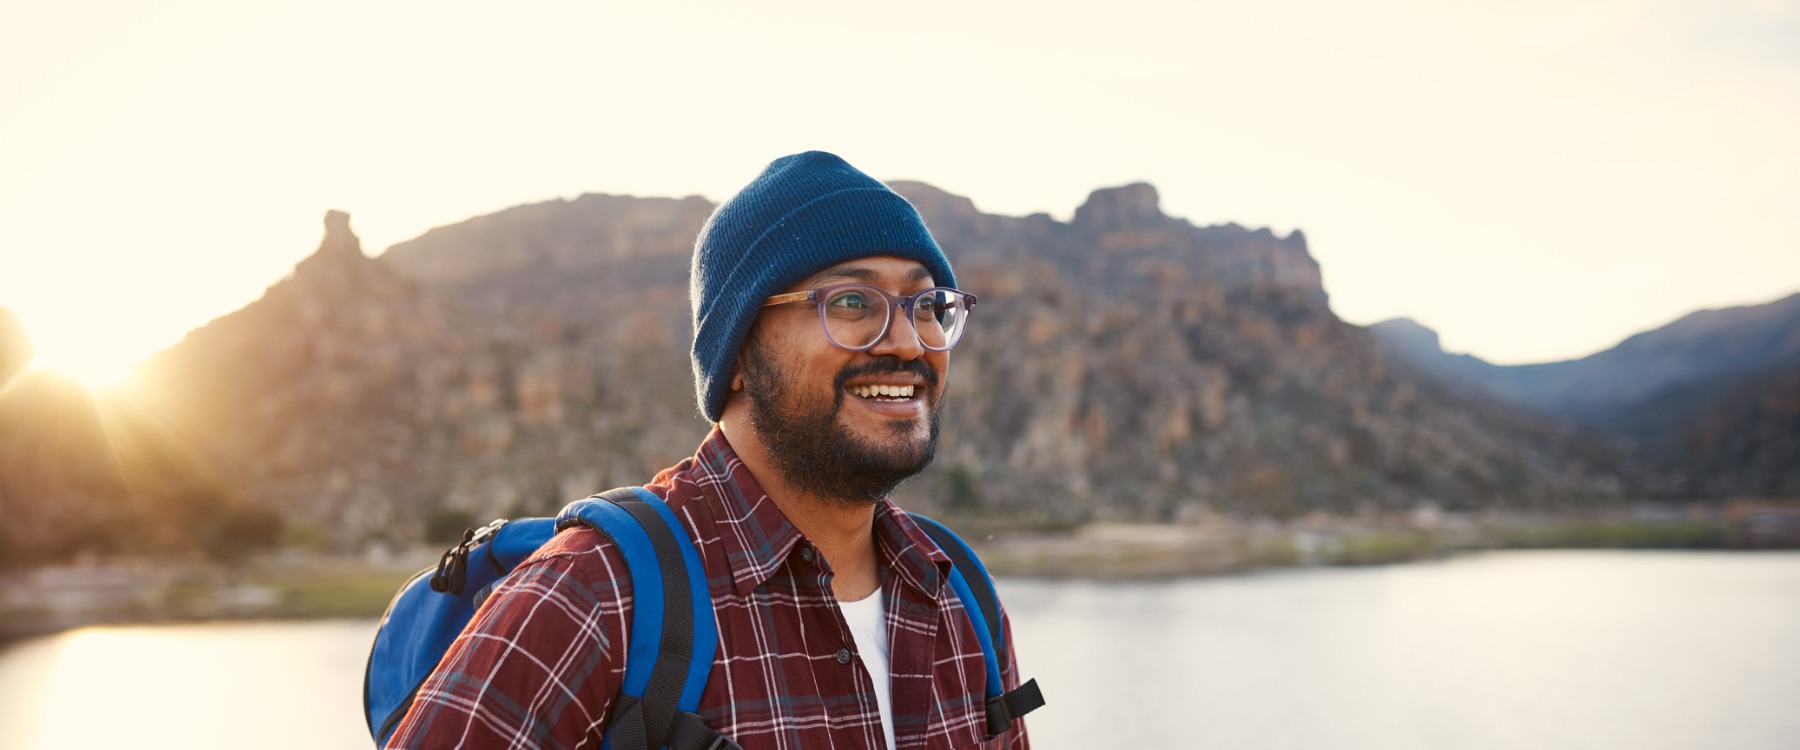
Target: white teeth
{"x":883,"y":391}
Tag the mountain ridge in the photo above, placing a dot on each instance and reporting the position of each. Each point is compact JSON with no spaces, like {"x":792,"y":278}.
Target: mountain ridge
{"x":1706,"y":406}
{"x":1708,"y":343}
{"x":1132,"y":364}
{"x":1124,"y":365}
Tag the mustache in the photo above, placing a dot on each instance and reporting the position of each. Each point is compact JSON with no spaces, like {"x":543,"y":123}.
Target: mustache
{"x":888,"y":366}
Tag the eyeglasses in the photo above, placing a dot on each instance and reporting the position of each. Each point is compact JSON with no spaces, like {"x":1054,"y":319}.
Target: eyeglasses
{"x":856,"y":316}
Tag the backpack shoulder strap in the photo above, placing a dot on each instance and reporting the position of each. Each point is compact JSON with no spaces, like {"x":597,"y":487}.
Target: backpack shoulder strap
{"x":969,"y":578}
{"x":672,"y":620}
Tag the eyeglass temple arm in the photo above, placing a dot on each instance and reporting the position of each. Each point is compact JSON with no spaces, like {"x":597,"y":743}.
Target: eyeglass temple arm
{"x":782,"y":299}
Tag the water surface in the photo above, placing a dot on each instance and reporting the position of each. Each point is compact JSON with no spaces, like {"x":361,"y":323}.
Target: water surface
{"x":1547,"y":650}
{"x":1539,"y":650}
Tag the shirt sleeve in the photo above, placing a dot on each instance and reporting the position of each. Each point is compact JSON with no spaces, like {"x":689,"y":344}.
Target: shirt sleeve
{"x":540,"y":662}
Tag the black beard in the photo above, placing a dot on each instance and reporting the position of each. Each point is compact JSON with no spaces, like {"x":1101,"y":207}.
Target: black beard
{"x":816,"y":454}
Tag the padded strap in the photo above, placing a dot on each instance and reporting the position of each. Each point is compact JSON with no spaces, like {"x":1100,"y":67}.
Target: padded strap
{"x":969,"y":578}
{"x":705,"y":625}
{"x":678,"y":621}
{"x":625,"y":728}
{"x":690,"y":732}
{"x":674,"y":635}
{"x":974,"y":572}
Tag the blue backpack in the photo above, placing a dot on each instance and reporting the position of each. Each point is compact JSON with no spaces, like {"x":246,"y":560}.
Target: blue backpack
{"x":674,"y":635}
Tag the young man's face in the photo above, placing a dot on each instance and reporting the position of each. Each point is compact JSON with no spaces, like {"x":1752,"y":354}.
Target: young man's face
{"x":838,"y":423}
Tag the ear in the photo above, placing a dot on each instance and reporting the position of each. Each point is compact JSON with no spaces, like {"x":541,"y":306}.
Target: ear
{"x":736,"y":383}
{"x":743,"y":355}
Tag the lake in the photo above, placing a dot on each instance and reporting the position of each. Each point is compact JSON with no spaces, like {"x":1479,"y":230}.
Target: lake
{"x":1576,"y":649}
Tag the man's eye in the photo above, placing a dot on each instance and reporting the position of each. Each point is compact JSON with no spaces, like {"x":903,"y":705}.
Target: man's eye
{"x":927,"y":306}
{"x":849,"y":301}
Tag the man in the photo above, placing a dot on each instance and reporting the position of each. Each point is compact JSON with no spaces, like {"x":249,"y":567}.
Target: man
{"x":824,"y":315}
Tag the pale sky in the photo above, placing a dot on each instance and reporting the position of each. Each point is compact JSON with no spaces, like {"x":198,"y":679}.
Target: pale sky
{"x":1535,"y":179}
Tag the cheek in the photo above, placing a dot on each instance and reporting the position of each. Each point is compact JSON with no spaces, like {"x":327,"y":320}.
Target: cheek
{"x":800,"y":348}
{"x":940,"y":361}
{"x":816,"y":369}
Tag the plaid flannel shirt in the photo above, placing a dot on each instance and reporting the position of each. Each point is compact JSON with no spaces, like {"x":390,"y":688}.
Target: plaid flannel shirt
{"x":542,"y":660}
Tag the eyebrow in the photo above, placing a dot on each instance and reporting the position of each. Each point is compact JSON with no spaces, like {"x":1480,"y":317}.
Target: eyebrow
{"x":863,"y":274}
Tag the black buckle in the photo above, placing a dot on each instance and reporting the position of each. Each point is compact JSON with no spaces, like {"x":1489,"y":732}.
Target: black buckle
{"x":453,"y":566}
{"x":998,"y":715}
{"x":721,"y":742}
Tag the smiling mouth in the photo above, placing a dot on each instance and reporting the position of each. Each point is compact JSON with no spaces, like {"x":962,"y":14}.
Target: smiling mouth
{"x":883,"y":392}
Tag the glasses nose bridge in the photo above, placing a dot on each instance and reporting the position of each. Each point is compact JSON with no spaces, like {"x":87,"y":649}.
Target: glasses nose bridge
{"x":901,"y":305}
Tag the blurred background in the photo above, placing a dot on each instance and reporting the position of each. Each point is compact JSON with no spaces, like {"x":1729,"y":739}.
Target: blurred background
{"x":1395,"y":375}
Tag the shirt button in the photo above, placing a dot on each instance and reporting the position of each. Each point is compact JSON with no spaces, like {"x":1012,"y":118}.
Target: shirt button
{"x":807,"y":554}
{"x":843,"y":656}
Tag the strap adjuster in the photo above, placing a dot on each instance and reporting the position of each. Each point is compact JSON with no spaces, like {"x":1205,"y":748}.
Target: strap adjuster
{"x":1004,"y":708}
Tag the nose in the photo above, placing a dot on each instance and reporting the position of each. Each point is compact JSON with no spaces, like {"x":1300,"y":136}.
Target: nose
{"x":901,"y":338}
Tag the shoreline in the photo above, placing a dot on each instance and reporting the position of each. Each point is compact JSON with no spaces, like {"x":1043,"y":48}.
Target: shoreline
{"x":296,"y":585}
{"x":1226,"y":546}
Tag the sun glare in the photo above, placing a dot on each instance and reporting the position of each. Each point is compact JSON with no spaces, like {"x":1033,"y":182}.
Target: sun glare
{"x":92,"y":359}
{"x":96,"y":370}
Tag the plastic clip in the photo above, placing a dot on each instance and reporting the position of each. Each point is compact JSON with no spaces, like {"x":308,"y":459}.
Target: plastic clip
{"x":453,"y":566}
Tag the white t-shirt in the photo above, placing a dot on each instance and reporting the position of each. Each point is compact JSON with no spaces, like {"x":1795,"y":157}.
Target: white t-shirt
{"x":868,"y":625}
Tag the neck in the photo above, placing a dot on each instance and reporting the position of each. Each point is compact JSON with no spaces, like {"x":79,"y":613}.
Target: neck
{"x":843,"y":529}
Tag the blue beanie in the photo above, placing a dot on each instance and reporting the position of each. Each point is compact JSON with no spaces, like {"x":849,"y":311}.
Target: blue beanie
{"x":805,"y":213}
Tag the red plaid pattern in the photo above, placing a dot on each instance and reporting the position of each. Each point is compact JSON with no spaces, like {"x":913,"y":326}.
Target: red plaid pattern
{"x":540,"y":664}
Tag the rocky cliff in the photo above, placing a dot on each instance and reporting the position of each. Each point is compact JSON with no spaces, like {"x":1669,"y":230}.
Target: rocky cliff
{"x":1131,"y":364}
{"x":1126,"y":364}
{"x":360,"y":401}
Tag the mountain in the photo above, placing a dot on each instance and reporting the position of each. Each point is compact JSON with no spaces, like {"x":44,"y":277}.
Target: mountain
{"x":1734,"y":435}
{"x":1706,"y":406}
{"x":85,"y":474}
{"x":361,"y":402}
{"x":1145,"y":364}
{"x":1418,"y":346}
{"x":50,"y":435}
{"x":1123,"y":365}
{"x":1603,"y":388}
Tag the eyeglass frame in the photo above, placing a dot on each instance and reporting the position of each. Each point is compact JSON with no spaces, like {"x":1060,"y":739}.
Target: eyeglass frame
{"x":905,"y":304}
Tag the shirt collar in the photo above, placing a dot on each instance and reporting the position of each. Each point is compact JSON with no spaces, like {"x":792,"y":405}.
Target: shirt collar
{"x":907,"y":550}
{"x":757,"y":537}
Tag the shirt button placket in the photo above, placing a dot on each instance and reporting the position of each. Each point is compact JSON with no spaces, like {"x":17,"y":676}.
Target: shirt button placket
{"x":843,"y":656}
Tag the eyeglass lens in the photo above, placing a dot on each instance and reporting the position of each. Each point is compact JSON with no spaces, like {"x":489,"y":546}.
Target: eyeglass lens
{"x":856,"y":317}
